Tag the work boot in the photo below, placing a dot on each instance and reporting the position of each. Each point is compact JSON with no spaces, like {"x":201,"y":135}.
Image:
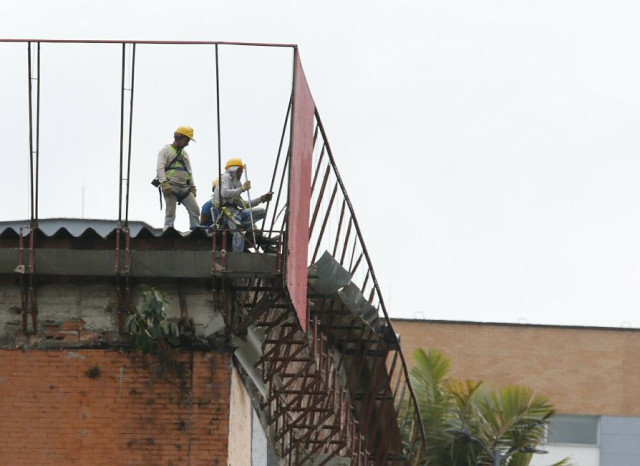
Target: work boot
{"x":273,"y":241}
{"x":267,"y":244}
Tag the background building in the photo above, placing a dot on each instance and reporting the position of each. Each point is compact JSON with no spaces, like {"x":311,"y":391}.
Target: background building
{"x":590,"y":374}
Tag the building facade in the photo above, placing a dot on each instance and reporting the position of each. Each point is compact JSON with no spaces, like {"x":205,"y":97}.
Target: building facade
{"x":245,"y":384}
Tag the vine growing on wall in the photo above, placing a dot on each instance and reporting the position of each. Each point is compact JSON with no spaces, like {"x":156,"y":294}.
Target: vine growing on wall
{"x":150,"y":329}
{"x":153,"y":333}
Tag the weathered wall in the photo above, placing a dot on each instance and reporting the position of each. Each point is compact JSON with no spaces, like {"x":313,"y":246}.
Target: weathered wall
{"x":582,"y":370}
{"x":83,"y":311}
{"x":261,"y":453}
{"x":105,"y":407}
{"x":239,"y":423}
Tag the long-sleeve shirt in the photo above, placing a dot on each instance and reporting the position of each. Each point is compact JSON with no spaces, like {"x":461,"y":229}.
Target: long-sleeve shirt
{"x":180,"y":170}
{"x":231,"y":188}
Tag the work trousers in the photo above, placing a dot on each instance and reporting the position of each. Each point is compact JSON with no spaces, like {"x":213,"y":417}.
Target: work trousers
{"x":188,"y":202}
{"x":244,"y":217}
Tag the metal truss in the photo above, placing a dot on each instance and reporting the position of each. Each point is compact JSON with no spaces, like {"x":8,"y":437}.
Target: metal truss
{"x":335,"y":390}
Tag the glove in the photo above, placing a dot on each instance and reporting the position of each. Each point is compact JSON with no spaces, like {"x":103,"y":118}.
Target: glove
{"x":266,"y":197}
{"x":166,"y":188}
{"x":193,"y":190}
{"x":246,"y":186}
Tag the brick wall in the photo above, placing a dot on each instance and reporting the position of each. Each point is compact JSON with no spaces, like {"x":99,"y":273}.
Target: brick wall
{"x":104,"y":407}
{"x":582,"y":370}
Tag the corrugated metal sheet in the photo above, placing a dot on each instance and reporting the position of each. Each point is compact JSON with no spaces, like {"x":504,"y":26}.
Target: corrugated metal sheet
{"x":76,"y":227}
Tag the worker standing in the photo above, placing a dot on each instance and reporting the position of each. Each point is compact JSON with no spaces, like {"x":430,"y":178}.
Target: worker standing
{"x":176,"y":178}
{"x":227,"y":200}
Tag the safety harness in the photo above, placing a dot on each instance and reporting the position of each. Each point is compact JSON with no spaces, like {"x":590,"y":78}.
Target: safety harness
{"x":169,"y":171}
{"x":230,"y":210}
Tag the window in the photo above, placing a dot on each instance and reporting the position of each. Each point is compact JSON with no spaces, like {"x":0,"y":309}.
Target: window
{"x":575,"y":429}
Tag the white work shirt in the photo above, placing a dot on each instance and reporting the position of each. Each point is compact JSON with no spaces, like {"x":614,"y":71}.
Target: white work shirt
{"x":166,"y":155}
{"x":230,"y":187}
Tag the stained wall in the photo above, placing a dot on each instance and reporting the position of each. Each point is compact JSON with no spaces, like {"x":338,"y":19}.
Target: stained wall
{"x":109,"y":407}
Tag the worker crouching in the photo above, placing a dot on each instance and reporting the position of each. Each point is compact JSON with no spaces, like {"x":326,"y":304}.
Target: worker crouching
{"x":176,"y":178}
{"x":230,"y":209}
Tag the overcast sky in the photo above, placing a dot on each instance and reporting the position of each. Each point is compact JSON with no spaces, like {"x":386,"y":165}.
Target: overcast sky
{"x":490,"y":148}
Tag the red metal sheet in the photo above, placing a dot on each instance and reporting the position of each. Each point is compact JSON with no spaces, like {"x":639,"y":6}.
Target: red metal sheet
{"x":300,"y":192}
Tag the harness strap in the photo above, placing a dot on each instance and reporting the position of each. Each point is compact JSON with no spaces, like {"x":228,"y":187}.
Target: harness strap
{"x":226,"y":211}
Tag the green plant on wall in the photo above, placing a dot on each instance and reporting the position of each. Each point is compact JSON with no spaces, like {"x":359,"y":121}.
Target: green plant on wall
{"x":149,"y":327}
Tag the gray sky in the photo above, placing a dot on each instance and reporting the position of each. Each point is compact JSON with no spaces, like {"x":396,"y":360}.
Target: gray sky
{"x":490,"y":148}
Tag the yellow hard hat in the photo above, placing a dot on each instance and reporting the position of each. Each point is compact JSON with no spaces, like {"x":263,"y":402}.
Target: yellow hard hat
{"x":235,"y":162}
{"x":214,"y":184}
{"x":185,"y":131}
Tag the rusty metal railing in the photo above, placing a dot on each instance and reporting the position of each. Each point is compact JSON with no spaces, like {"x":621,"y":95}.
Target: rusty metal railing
{"x":335,"y":228}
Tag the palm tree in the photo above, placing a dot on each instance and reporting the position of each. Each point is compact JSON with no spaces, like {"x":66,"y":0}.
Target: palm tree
{"x":468,"y":424}
{"x":428,"y":379}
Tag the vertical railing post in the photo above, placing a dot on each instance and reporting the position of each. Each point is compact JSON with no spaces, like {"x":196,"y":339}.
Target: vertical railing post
{"x":123,"y":198}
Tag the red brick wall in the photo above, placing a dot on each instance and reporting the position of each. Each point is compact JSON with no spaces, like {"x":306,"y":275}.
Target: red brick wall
{"x":103,"y":407}
{"x":582,"y":370}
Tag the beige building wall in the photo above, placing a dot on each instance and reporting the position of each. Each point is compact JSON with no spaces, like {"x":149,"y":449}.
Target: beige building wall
{"x":239,"y":423}
{"x":583,"y":370}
